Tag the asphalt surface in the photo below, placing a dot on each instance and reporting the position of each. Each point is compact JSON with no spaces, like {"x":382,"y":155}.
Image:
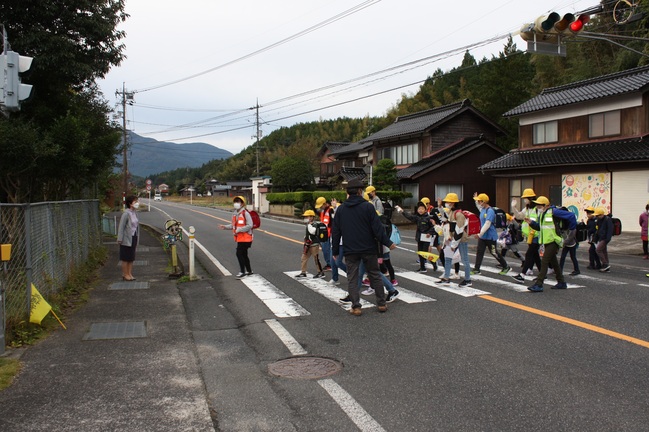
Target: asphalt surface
{"x":161,"y":380}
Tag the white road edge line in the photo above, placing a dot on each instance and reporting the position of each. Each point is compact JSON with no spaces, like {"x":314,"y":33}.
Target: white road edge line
{"x":287,"y":339}
{"x":354,"y":411}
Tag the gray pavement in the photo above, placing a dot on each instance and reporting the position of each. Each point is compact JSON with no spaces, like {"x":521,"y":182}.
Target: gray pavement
{"x":144,"y":377}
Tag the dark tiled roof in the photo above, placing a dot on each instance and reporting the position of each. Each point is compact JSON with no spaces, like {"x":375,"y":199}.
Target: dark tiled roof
{"x":629,"y":81}
{"x":349,"y":173}
{"x":443,"y":156}
{"x":351,"y":148}
{"x":336,"y":145}
{"x":628,"y":150}
{"x":417,"y":122}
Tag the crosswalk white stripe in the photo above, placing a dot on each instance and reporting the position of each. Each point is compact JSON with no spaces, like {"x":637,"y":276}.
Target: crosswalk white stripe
{"x":452,"y":288}
{"x":287,"y":339}
{"x":279,"y":303}
{"x":405,"y":295}
{"x":354,"y":411}
{"x":325,"y":289}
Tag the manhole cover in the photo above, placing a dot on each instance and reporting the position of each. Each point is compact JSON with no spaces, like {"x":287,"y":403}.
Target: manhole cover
{"x":305,"y":367}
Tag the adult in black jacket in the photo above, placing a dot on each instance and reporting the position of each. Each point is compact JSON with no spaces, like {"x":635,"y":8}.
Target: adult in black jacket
{"x":358,"y":224}
{"x":591,"y":226}
{"x":604,"y":235}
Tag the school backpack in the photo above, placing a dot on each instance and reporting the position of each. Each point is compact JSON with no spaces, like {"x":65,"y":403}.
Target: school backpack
{"x":474,"y":222}
{"x":321,"y":232}
{"x":501,"y":218}
{"x":256,"y":220}
{"x":617,"y":226}
{"x":582,"y":232}
{"x":387,"y":212}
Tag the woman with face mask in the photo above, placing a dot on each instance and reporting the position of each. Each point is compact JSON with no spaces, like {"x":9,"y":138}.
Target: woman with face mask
{"x":127,"y":235}
{"x":241,"y":227}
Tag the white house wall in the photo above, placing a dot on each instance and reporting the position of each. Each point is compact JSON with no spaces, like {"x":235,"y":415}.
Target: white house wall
{"x":630,"y":196}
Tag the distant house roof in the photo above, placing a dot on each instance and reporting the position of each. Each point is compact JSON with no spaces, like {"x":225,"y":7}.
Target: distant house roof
{"x":350,"y":148}
{"x":239,"y":183}
{"x":349,"y":173}
{"x":424,"y":121}
{"x":626,"y":150}
{"x":444,"y":156}
{"x":628,"y":81}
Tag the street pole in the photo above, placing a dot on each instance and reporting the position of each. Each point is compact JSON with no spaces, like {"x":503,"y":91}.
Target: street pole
{"x":192,"y":266}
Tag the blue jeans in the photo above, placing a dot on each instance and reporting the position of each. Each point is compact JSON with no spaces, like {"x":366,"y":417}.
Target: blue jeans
{"x":386,"y":282}
{"x":326,"y":251}
{"x":464,"y":257}
{"x":338,"y":263}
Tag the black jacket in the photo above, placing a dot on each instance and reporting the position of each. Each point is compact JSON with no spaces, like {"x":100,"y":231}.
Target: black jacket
{"x":604,"y":229}
{"x":358,"y":224}
{"x":424,"y":224}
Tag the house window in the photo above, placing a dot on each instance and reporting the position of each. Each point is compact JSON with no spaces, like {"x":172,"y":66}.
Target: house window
{"x":546,"y":132}
{"x":349,"y":164}
{"x":413,"y":188}
{"x":442,"y":189}
{"x":402,"y":154}
{"x":516,"y":188}
{"x":604,"y":124}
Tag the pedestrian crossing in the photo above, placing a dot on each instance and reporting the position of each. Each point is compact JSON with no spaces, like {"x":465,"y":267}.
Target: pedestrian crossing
{"x":283,"y":306}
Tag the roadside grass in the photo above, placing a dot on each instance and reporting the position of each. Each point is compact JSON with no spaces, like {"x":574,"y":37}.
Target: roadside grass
{"x":9,"y":368}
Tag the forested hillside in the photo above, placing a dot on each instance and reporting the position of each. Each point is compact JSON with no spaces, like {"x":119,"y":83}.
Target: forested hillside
{"x":495,"y":85}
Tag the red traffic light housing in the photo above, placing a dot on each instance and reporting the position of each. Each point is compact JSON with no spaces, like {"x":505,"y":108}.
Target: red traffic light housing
{"x":578,"y":24}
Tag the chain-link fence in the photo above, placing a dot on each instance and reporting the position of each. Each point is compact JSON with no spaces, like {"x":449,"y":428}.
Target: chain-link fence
{"x":48,"y":240}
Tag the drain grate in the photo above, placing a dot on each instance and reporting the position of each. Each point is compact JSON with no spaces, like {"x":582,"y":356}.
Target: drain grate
{"x":136,"y":263}
{"x":116,"y":330}
{"x":128,"y":285}
{"x":305,"y":367}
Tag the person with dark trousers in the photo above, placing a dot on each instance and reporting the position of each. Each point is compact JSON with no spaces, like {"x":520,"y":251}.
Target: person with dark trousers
{"x":591,"y":232}
{"x":357,"y":222}
{"x":241,"y":227}
{"x":488,"y":236}
{"x":644,"y":231}
{"x":127,"y":235}
{"x":425,"y":233}
{"x":604,"y":236}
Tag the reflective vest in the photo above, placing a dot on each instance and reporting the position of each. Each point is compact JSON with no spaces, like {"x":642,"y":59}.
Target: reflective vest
{"x":325,"y":219}
{"x":548,"y":233}
{"x":533,"y":215}
{"x":239,"y":220}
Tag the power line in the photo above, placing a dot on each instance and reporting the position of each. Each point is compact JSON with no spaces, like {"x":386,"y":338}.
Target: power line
{"x":313,"y":28}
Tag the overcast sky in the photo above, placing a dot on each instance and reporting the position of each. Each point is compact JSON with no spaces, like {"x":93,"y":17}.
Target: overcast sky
{"x":303,"y":60}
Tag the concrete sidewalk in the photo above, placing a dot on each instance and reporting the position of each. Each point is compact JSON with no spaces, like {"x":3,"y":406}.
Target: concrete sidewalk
{"x":127,"y":361}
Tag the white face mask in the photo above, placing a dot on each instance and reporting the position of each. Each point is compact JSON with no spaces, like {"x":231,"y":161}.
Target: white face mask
{"x":237,"y":206}
{"x":136,"y":205}
{"x":478,"y":205}
{"x":447,"y":205}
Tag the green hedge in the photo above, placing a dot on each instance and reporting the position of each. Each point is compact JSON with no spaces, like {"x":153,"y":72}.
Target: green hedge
{"x":310,"y":197}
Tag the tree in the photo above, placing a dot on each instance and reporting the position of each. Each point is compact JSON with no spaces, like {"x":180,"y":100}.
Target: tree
{"x":61,"y":143}
{"x":384,"y":176}
{"x":291,"y":174}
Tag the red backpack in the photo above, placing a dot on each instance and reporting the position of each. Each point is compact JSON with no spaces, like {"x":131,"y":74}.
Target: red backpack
{"x":256,"y":220}
{"x":474,"y":222}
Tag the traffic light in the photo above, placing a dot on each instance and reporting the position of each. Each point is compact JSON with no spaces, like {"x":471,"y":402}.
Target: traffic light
{"x":14,"y":91}
{"x":544,"y":35}
{"x":578,"y":25}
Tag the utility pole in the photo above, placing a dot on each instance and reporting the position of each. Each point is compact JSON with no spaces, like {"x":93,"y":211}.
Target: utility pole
{"x":127,"y":97}
{"x":257,"y":136}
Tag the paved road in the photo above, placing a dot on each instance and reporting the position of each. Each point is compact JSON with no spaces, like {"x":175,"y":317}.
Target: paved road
{"x":492,"y":358}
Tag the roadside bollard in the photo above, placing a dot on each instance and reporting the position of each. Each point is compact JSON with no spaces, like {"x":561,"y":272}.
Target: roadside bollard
{"x":192,"y":267}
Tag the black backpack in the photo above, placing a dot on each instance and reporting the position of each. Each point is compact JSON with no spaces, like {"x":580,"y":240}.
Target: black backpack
{"x":501,"y":218}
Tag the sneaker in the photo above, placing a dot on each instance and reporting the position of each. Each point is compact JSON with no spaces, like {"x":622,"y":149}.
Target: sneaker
{"x":529,"y":273}
{"x":536,"y":288}
{"x":383,"y":308}
{"x":560,"y":285}
{"x":334,"y":282}
{"x":368,"y":291}
{"x":444,"y":281}
{"x":327,"y":268}
{"x":346,"y":299}
{"x":392,"y":296}
{"x":519,"y":278}
{"x":366,"y":282}
{"x":301,"y":275}
{"x":575,"y":273}
{"x":320,"y":275}
{"x":422,"y":270}
{"x":249,"y":273}
{"x":240,"y":275}
{"x":394,"y":282}
{"x":455,"y":276}
{"x":504,"y":271}
{"x":355,"y":311}
{"x":645,"y":257}
{"x":465,"y":283}
{"x":605,"y":268}
{"x":475,"y":272}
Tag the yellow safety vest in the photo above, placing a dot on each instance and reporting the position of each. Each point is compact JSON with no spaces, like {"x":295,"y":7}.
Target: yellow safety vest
{"x":533,"y":215}
{"x":548,"y":233}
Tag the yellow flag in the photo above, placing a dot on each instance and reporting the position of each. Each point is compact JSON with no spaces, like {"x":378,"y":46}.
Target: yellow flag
{"x":429,"y":256}
{"x":40,"y":307}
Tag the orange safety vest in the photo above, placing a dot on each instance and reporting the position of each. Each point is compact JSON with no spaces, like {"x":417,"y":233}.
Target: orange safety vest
{"x":325,"y":219}
{"x":239,"y":220}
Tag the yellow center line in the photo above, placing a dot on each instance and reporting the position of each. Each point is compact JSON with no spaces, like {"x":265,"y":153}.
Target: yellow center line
{"x":568,"y":321}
